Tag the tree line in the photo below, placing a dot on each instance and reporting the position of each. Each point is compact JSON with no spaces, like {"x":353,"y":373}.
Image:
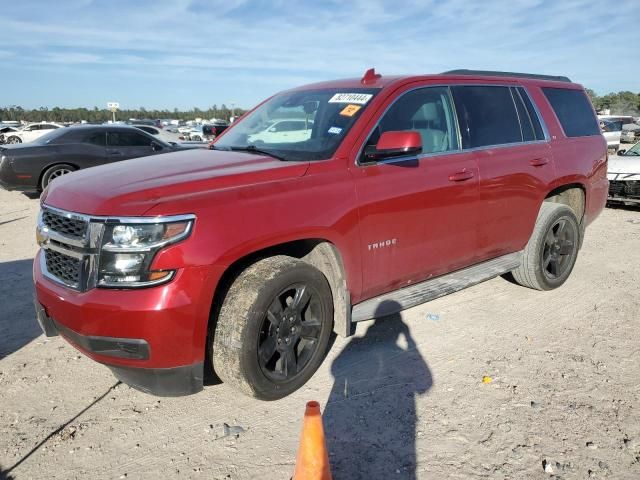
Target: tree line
{"x":621,"y":103}
{"x":98,"y":115}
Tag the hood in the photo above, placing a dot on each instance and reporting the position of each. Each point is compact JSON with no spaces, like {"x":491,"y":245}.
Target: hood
{"x":624,"y":167}
{"x":132,"y":187}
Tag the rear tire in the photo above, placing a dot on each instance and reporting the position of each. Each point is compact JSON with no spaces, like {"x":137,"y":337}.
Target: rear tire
{"x":54,"y":172}
{"x":552,"y":250}
{"x":273,"y":328}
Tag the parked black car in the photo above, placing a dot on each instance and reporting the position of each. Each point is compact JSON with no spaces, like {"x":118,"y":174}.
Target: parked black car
{"x":31,"y":166}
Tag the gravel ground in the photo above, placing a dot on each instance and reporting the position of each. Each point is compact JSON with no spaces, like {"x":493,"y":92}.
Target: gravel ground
{"x":404,"y":398}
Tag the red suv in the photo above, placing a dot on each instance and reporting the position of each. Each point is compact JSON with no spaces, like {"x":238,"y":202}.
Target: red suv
{"x":390,"y":191}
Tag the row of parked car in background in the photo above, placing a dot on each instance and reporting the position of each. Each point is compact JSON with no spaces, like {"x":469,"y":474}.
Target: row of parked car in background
{"x":14,"y":132}
{"x":619,"y":129}
{"x":56,"y":149}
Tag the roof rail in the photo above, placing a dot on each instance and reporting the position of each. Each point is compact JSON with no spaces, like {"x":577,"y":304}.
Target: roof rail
{"x":490,"y":73}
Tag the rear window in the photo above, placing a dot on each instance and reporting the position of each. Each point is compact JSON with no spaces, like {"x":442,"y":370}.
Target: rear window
{"x":487,"y":116}
{"x":573,"y":110}
{"x":128,"y":139}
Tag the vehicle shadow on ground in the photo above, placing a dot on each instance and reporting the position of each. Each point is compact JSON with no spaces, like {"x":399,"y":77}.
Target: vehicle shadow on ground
{"x":18,"y":325}
{"x":370,"y":417}
{"x":32,"y":195}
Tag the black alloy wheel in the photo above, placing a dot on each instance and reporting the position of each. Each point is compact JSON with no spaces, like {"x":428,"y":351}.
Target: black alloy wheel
{"x":290,"y":332}
{"x":558,"y":249}
{"x":273,"y":328}
{"x":552,"y":250}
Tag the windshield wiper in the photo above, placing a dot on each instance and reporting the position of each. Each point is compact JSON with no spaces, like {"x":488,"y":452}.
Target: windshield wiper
{"x":254,"y":149}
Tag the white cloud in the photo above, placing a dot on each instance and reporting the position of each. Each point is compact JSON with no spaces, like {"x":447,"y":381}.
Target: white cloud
{"x":578,"y":38}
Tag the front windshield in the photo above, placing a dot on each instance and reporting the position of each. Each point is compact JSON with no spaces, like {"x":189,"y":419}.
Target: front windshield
{"x":299,"y":125}
{"x":635,"y":150}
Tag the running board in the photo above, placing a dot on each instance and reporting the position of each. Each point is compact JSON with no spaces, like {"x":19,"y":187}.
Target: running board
{"x":398,"y":300}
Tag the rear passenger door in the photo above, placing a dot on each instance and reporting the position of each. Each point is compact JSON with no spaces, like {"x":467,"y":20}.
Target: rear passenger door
{"x":122,"y":145}
{"x":501,"y":126}
{"x":418,"y":214}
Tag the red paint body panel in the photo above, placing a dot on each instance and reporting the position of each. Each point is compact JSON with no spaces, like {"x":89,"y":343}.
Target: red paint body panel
{"x":425,"y":217}
{"x":172,"y":318}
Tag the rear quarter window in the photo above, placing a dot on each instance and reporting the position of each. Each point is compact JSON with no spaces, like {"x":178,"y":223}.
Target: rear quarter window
{"x":574,"y":111}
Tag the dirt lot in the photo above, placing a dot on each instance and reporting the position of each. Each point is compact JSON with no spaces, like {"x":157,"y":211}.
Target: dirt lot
{"x":405,"y":398}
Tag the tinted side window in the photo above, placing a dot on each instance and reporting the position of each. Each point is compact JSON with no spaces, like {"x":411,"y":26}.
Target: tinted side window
{"x":128,"y":139}
{"x":96,"y":138}
{"x":537,"y":127}
{"x":150,"y":130}
{"x":573,"y":110}
{"x":427,"y":111}
{"x":487,"y":116}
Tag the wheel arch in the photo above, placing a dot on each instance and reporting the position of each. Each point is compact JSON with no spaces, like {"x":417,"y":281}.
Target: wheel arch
{"x":46,"y":168}
{"x":319,"y":252}
{"x":573,"y":195}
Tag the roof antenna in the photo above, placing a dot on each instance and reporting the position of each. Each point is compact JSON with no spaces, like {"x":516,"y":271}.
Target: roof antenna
{"x":370,"y":76}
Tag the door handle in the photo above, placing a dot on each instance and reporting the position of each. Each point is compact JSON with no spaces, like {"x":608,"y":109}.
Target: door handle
{"x":461,"y":176}
{"x":115,"y":152}
{"x":538,"y":162}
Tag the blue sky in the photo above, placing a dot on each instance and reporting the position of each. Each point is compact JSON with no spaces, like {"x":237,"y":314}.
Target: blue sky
{"x":186,"y":53}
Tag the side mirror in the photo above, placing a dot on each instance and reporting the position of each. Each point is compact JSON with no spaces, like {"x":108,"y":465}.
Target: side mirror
{"x":622,"y":152}
{"x":395,"y":144}
{"x":156,"y":147}
{"x":272,"y":129}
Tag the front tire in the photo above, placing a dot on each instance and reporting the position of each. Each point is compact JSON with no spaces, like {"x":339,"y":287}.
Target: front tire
{"x":273,"y":328}
{"x":552,"y":250}
{"x":13,"y":139}
{"x":54,"y":172}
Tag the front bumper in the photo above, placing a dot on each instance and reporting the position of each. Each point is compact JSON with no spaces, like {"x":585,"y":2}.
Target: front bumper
{"x":153,"y":339}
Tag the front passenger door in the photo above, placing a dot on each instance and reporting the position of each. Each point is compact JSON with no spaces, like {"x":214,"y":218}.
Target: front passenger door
{"x":125,"y":144}
{"x":418,"y":215}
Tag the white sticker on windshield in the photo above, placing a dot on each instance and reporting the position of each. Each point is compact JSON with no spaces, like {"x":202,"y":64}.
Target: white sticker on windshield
{"x":359,"y":98}
{"x":335,"y":130}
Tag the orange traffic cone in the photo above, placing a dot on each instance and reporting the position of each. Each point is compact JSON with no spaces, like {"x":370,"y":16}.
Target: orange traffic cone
{"x":313,"y":460}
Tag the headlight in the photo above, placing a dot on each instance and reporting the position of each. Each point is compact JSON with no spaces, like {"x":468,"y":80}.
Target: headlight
{"x":128,"y":250}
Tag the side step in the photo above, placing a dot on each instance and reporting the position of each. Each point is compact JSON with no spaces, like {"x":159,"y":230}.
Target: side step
{"x":398,"y":300}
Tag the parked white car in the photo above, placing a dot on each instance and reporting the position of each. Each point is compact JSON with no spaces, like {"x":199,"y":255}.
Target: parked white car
{"x":624,"y":175}
{"x":162,"y":134}
{"x":284,"y":131}
{"x":31,"y":132}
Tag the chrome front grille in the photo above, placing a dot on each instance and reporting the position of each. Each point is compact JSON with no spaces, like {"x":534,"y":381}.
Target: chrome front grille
{"x":65,"y":225}
{"x":66,"y":268}
{"x":70,"y":246}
